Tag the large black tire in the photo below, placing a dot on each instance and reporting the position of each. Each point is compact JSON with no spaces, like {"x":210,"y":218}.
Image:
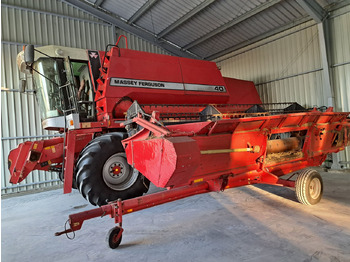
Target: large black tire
{"x":103,"y":174}
{"x":309,"y":187}
{"x":74,"y":184}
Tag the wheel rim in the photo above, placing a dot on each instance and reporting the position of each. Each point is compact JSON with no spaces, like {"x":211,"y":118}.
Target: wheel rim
{"x":118,"y":174}
{"x":315,"y":188}
{"x":115,"y":238}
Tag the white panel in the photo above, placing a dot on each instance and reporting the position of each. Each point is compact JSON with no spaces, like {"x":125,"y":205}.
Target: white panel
{"x":340,"y":36}
{"x":287,"y":56}
{"x":280,"y":91}
{"x":340,"y":33}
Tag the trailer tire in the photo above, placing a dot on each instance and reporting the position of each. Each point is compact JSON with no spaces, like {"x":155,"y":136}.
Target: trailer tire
{"x":309,"y":187}
{"x":96,"y":178}
{"x":112,"y":238}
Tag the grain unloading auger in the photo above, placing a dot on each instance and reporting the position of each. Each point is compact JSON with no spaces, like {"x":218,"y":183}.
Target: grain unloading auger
{"x":221,"y":148}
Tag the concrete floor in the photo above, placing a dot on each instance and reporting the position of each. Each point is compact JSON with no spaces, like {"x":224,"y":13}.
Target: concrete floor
{"x":253,"y":223}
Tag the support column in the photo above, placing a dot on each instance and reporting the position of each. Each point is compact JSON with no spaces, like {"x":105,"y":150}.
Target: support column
{"x":323,"y":35}
{"x":320,"y":15}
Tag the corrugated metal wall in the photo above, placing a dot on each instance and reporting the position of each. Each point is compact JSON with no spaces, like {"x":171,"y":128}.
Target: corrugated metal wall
{"x":41,"y":23}
{"x":287,"y":67}
{"x":340,"y":35}
{"x":278,"y":67}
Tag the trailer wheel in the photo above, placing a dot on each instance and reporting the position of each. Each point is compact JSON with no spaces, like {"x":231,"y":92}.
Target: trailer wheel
{"x":309,"y":187}
{"x":103,"y":173}
{"x":114,"y":238}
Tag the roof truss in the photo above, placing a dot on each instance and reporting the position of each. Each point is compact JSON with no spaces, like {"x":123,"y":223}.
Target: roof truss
{"x":186,"y":17}
{"x":230,"y":24}
{"x":120,"y":23}
{"x":141,"y":11}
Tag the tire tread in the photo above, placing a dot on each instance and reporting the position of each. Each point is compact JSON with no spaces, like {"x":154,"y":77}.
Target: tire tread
{"x":88,"y":179}
{"x":301,"y":186}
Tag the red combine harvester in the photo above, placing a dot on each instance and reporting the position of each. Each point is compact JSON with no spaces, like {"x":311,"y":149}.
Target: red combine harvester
{"x":131,"y":117}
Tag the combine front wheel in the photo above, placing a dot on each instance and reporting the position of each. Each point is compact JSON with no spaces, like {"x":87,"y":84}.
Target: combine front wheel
{"x":309,"y":187}
{"x":103,"y":173}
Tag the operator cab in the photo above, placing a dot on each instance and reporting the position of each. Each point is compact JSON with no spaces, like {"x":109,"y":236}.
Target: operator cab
{"x":84,"y":91}
{"x":62,"y":85}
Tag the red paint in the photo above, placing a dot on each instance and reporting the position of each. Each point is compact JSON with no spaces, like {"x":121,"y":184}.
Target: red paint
{"x":173,"y":159}
{"x":171,"y":156}
{"x":131,"y":64}
{"x":47,"y":154}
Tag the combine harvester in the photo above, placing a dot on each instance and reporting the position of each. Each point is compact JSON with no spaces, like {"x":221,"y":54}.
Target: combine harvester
{"x":131,"y":117}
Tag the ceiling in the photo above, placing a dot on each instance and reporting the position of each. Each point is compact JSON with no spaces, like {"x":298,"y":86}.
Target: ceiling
{"x":205,"y":29}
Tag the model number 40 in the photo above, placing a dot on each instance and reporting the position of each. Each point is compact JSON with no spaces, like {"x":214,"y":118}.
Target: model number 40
{"x":220,"y":89}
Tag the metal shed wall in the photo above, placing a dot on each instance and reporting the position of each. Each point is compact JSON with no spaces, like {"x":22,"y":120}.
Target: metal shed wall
{"x":340,"y":36}
{"x":41,"y":23}
{"x":287,"y":67}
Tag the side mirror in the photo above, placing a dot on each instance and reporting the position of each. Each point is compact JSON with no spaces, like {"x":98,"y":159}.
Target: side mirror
{"x":29,"y":54}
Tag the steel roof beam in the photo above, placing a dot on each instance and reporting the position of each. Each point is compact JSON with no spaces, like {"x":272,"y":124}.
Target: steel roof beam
{"x":186,"y":17}
{"x":323,"y":34}
{"x":236,"y":21}
{"x":257,"y":38}
{"x":313,"y":9}
{"x":52,"y":14}
{"x":319,"y":14}
{"x":98,"y":2}
{"x":120,"y":23}
{"x":141,"y":11}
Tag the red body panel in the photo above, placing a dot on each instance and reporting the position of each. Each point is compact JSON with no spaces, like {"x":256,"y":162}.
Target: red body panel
{"x":179,"y":157}
{"x":241,"y":92}
{"x":186,"y":81}
{"x":45,"y":154}
{"x":184,"y":153}
{"x":38,"y":155}
{"x":186,"y":74}
{"x":172,"y":160}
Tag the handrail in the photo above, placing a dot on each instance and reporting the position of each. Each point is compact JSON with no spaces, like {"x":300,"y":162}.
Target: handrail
{"x":126,"y":41}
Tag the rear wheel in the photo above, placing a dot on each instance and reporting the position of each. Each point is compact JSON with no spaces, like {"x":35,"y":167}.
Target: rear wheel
{"x":309,"y":187}
{"x":103,"y":173}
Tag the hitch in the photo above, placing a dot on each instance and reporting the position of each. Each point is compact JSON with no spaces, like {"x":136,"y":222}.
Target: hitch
{"x":76,"y":220}
{"x":119,"y":208}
